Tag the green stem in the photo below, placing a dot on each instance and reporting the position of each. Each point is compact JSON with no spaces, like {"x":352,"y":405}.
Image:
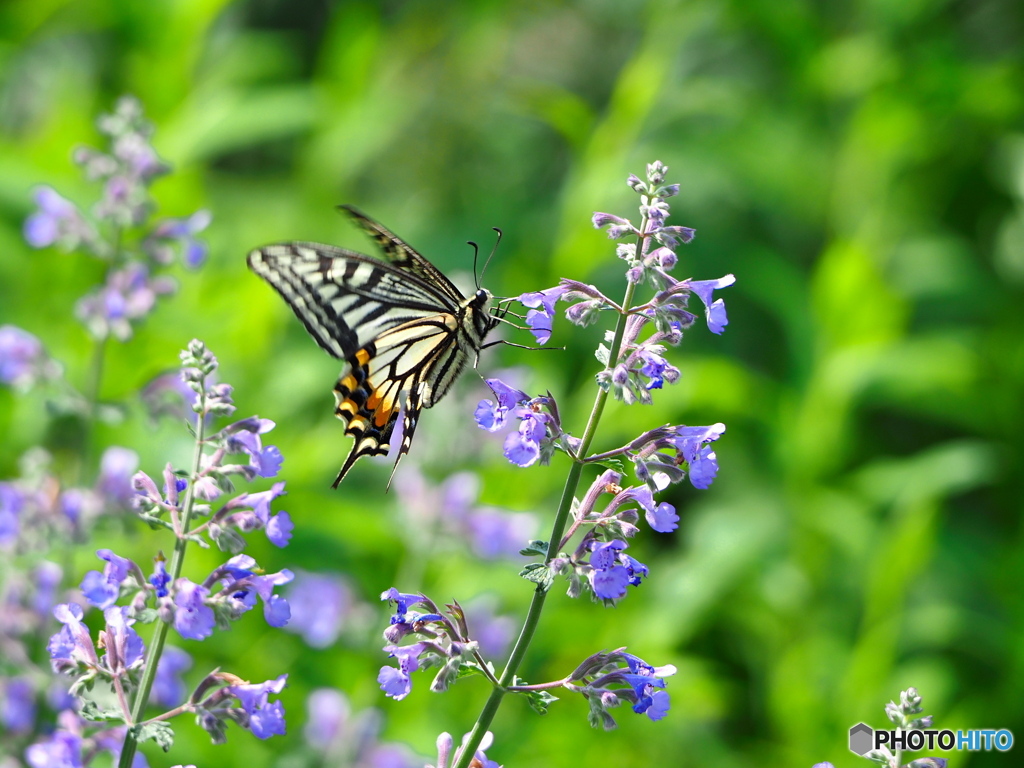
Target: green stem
{"x":156,"y":648}
{"x":490,"y":707}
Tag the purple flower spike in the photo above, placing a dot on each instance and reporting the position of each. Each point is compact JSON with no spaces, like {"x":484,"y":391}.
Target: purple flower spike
{"x":279,"y":529}
{"x":57,"y":220}
{"x":102,"y":589}
{"x":663,"y":518}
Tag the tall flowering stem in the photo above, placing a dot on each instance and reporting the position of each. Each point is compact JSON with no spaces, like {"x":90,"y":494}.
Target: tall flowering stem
{"x":572,"y":481}
{"x":131,"y":738}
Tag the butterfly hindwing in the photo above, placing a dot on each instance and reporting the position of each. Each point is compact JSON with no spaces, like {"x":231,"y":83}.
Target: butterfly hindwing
{"x":404,"y":331}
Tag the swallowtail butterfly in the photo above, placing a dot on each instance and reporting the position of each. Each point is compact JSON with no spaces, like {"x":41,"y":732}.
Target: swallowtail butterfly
{"x":403,"y":329}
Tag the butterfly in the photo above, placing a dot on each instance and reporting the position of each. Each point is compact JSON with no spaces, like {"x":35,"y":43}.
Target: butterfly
{"x":403,"y":329}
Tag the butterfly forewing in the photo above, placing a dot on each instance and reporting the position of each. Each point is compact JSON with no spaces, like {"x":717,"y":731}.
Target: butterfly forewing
{"x":404,"y":331}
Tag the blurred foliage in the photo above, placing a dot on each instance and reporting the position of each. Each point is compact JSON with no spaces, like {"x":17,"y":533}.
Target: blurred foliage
{"x":859,"y":166}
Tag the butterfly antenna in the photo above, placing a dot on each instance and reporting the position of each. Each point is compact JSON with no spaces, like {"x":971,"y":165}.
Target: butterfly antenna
{"x":493,"y":251}
{"x":476,"y":253}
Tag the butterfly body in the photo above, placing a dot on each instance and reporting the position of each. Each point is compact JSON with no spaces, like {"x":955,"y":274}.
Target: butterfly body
{"x":403,"y":329}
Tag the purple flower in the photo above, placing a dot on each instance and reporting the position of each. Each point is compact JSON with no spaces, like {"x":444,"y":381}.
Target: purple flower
{"x":402,"y":601}
{"x":22,"y":358}
{"x":160,"y":577}
{"x":265,"y":719}
{"x":168,"y":395}
{"x":124,"y":647}
{"x":279,"y":529}
{"x":542,"y":312}
{"x":168,"y":688}
{"x":692,"y":444}
{"x":117,"y":467}
{"x":47,"y":577}
{"x":613,"y":570}
{"x":193,"y":619}
{"x":182,"y":231}
{"x":523,"y":446}
{"x":72,"y":643}
{"x":60,"y":750}
{"x":103,"y":589}
{"x":656,"y":706}
{"x":11,"y":503}
{"x":492,"y":416}
{"x":663,"y":518}
{"x":657,"y":368}
{"x":319,"y":605}
{"x":823,"y":765}
{"x":129,"y":294}
{"x":57,"y":220}
{"x":714,"y":311}
{"x":18,"y":708}
{"x":397,"y":683}
{"x":260,"y":502}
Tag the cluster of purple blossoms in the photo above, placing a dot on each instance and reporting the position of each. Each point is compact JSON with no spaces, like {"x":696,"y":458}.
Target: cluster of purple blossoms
{"x":442,"y":640}
{"x":126,"y":171}
{"x":130,"y":598}
{"x":607,"y":679}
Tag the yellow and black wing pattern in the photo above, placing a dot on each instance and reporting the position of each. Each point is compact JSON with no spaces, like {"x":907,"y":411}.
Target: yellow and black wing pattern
{"x":403,"y":329}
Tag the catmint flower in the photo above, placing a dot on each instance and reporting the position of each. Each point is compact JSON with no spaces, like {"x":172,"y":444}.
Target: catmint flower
{"x":613,"y":570}
{"x":62,"y":749}
{"x":491,"y":415}
{"x":279,"y":529}
{"x":193,"y":619}
{"x":58,"y":221}
{"x":103,"y":589}
{"x":129,"y":295}
{"x":46,"y":578}
{"x":181,"y":232}
{"x":73,"y":643}
{"x":693,"y":446}
{"x":18,"y":707}
{"x":714,"y":311}
{"x":495,"y":533}
{"x":542,"y":311}
{"x":656,"y":368}
{"x":117,"y":467}
{"x":23,"y":361}
{"x":265,"y":719}
{"x":327,"y":714}
{"x":124,"y":647}
{"x":245,"y":584}
{"x":397,"y":682}
{"x":619,"y":227}
{"x":661,"y":517}
{"x":160,"y":578}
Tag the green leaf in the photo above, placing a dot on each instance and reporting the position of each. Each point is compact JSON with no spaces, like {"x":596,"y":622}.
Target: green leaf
{"x":538,"y":573}
{"x":535,"y":547}
{"x":92,"y":712}
{"x":539,"y":701}
{"x":160,"y":732}
{"x":613,"y":463}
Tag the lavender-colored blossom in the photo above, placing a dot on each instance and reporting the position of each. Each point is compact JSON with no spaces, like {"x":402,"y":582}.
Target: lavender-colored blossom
{"x":160,"y":578}
{"x":657,"y":706}
{"x":319,"y":604}
{"x":656,"y":368}
{"x":279,"y":529}
{"x":11,"y":503}
{"x":168,"y":688}
{"x":692,"y":444}
{"x":124,"y":647}
{"x":714,"y":310}
{"x":129,"y":295}
{"x":103,"y":589}
{"x":493,"y":415}
{"x":523,"y":447}
{"x":58,"y":220}
{"x":23,"y":361}
{"x":72,"y":643}
{"x":46,"y":577}
{"x":542,"y":310}
{"x":265,"y":719}
{"x":397,"y":682}
{"x":117,"y":467}
{"x":823,"y":765}
{"x":61,"y":749}
{"x":663,"y":518}
{"x":183,"y":233}
{"x":613,"y":570}
{"x":193,"y":619}
{"x":18,"y":707}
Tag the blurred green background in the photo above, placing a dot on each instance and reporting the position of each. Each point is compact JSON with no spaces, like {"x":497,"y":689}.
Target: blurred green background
{"x":860,"y":168}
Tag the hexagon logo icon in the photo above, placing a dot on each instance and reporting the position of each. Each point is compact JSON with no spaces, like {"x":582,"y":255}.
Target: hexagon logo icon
{"x":861,"y":739}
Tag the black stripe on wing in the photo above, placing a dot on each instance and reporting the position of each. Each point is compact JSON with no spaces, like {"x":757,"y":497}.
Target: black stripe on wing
{"x":401,"y":254}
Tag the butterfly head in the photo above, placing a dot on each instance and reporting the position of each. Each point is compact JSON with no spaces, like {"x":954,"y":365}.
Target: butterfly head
{"x":481,"y":314}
